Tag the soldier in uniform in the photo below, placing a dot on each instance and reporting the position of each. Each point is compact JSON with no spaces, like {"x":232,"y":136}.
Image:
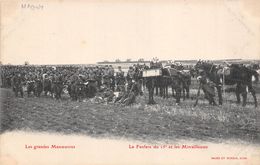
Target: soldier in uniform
{"x":128,"y":97}
{"x":29,"y":83}
{"x":92,"y":85}
{"x":108,"y":95}
{"x":98,"y":74}
{"x":208,"y":88}
{"x":38,"y":86}
{"x":150,"y":82}
{"x":177,"y":87}
{"x":106,"y":77}
{"x":130,"y":77}
{"x":138,"y":78}
{"x":120,"y":79}
{"x":57,"y":85}
{"x":17,"y":82}
{"x":112,"y":77}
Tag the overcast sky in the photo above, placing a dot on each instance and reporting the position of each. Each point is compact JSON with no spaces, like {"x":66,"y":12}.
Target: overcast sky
{"x":69,"y":32}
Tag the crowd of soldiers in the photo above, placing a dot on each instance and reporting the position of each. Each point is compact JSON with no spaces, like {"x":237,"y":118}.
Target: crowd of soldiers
{"x":78,"y":82}
{"x":102,"y":82}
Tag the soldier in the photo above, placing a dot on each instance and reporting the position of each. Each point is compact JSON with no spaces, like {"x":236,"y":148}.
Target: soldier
{"x":120,"y":79}
{"x":106,"y":77}
{"x":80,"y":88}
{"x":108,"y":94}
{"x":92,"y":85}
{"x":98,"y":76}
{"x":30,"y":84}
{"x":112,"y":77}
{"x":128,"y":97}
{"x":138,"y":78}
{"x":17,"y":81}
{"x":57,"y":85}
{"x":130,"y":76}
{"x":46,"y":84}
{"x":150,"y":85}
{"x":208,"y":88}
{"x":38,"y":87}
{"x":177,"y":87}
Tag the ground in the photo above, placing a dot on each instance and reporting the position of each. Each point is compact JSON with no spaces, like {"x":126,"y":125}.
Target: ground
{"x":164,"y":121}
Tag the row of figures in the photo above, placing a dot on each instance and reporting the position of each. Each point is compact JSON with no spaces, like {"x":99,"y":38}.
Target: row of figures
{"x":118,"y":85}
{"x":79,"y":83}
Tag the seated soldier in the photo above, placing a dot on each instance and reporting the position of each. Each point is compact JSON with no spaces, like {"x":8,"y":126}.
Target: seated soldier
{"x":108,"y":95}
{"x":129,"y":96}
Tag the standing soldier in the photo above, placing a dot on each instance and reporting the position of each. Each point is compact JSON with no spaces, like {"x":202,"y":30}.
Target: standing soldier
{"x":98,"y":76}
{"x":130,"y":76}
{"x":38,"y":87}
{"x":150,"y":85}
{"x":17,"y":81}
{"x":120,"y":79}
{"x":138,"y":78}
{"x":92,"y":85}
{"x":57,"y":85}
{"x":106,"y":77}
{"x":177,"y":86}
{"x":112,"y":77}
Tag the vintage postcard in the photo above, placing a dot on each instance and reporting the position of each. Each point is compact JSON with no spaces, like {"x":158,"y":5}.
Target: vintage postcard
{"x":93,"y":82}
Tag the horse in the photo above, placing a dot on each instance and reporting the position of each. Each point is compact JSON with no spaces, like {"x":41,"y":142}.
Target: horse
{"x":242,"y":76}
{"x":239,"y":75}
{"x":175,"y":81}
{"x":185,"y":77}
{"x":162,"y":82}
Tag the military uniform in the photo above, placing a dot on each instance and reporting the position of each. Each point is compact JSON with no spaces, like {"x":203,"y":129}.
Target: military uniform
{"x":38,"y":87}
{"x":106,"y":78}
{"x":177,"y":87}
{"x":108,"y":95}
{"x":17,"y":81}
{"x":98,"y":77}
{"x":208,"y":88}
{"x":57,"y":86}
{"x":130,"y":77}
{"x":120,"y":80}
{"x":92,"y":85}
{"x":150,"y":82}
{"x":112,"y":77}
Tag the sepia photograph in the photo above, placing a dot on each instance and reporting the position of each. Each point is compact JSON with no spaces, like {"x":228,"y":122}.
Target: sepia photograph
{"x":100,"y":82}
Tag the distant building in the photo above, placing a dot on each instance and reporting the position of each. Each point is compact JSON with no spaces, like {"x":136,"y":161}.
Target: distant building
{"x":127,"y":64}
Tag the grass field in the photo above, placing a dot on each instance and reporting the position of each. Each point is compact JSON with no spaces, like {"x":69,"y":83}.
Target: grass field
{"x":163,"y":121}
